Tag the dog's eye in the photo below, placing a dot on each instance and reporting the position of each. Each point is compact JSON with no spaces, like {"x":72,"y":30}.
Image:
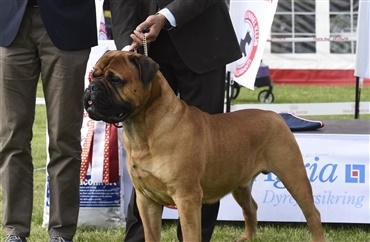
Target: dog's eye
{"x":113,"y":78}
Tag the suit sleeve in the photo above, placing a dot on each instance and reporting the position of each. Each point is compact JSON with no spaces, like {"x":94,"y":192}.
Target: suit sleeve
{"x":124,"y":21}
{"x":207,"y":31}
{"x":185,"y":11}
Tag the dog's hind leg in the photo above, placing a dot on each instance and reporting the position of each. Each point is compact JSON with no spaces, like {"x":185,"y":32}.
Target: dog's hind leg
{"x":243,"y":196}
{"x":296,"y":182}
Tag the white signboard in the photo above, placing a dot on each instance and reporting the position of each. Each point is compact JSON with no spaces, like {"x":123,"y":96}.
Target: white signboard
{"x":338,"y":168}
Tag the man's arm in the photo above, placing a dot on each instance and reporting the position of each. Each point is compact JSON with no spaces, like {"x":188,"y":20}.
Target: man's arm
{"x":168,"y":14}
{"x":185,"y":11}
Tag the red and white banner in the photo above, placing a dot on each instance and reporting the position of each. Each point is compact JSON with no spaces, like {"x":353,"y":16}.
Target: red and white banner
{"x":100,"y":152}
{"x":252,"y":23}
{"x":363,"y":37}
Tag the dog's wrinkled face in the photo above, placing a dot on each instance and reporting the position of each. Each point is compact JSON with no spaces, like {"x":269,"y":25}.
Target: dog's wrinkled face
{"x":120,"y":84}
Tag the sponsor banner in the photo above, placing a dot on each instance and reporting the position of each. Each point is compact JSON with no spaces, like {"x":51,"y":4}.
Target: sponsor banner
{"x":301,"y":109}
{"x":338,"y":169}
{"x":100,"y":205}
{"x":99,"y":194}
{"x":101,"y":202}
{"x":252,"y":22}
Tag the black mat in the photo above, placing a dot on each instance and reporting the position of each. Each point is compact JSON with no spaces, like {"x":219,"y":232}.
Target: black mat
{"x":343,"y":126}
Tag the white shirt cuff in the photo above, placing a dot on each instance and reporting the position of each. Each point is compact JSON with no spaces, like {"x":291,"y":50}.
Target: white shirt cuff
{"x":169,"y":16}
{"x":127,"y":48}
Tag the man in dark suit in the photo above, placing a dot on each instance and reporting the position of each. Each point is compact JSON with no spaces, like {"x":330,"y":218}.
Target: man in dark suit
{"x":192,"y":41}
{"x":51,"y":38}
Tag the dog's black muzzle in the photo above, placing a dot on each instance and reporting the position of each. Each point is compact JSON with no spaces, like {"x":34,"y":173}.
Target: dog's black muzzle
{"x":100,"y":104}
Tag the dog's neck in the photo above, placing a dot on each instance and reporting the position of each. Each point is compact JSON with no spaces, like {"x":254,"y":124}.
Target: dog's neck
{"x":161,"y":95}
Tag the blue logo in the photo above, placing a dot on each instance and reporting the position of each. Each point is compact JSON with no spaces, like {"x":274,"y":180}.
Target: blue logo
{"x":355,"y":173}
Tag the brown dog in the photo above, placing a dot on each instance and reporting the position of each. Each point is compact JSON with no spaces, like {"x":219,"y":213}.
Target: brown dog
{"x":179,"y":155}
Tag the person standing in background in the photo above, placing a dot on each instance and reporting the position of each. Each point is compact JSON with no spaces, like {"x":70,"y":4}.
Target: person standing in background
{"x":51,"y":38}
{"x":192,"y":41}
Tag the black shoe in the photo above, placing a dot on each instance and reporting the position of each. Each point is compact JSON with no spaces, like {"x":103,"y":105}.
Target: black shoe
{"x":14,"y":238}
{"x":60,"y":239}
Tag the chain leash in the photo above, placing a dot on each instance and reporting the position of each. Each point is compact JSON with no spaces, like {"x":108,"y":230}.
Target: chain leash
{"x":145,"y":45}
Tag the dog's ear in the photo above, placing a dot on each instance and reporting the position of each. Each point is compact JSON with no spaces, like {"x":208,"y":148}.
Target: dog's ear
{"x":146,"y":66}
{"x":103,"y":60}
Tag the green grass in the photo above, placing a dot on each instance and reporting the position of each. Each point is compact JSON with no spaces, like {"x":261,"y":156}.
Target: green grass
{"x":225,"y":231}
{"x":305,"y":94}
{"x":308,"y":94}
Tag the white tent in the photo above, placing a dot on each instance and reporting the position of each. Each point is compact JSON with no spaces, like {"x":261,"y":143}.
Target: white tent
{"x":362,"y":69}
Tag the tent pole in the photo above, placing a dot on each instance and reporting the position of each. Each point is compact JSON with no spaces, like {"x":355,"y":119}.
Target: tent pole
{"x":228,"y":96}
{"x":357,"y":100}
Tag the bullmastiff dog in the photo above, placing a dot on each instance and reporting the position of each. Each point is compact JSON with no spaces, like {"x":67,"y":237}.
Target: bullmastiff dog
{"x":180,"y":155}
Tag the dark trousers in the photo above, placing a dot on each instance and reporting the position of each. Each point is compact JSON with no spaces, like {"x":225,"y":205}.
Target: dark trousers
{"x":62,"y":72}
{"x":205,"y":91}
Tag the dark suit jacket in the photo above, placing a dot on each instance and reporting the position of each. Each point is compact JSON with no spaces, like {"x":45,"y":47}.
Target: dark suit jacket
{"x":71,"y":24}
{"x":204,"y":36}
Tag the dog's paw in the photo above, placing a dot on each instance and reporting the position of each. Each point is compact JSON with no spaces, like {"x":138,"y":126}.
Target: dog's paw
{"x":241,"y":239}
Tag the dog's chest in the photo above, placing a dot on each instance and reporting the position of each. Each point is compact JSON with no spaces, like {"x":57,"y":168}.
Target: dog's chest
{"x":149,"y":182}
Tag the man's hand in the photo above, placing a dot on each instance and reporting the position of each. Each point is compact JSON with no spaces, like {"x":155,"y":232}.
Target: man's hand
{"x":151,"y":27}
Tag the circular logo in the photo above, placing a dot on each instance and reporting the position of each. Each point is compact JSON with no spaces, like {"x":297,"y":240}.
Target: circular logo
{"x":248,"y":43}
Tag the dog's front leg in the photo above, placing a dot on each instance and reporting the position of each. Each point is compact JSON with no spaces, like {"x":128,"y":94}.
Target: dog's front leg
{"x":189,"y":209}
{"x":151,"y":215}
